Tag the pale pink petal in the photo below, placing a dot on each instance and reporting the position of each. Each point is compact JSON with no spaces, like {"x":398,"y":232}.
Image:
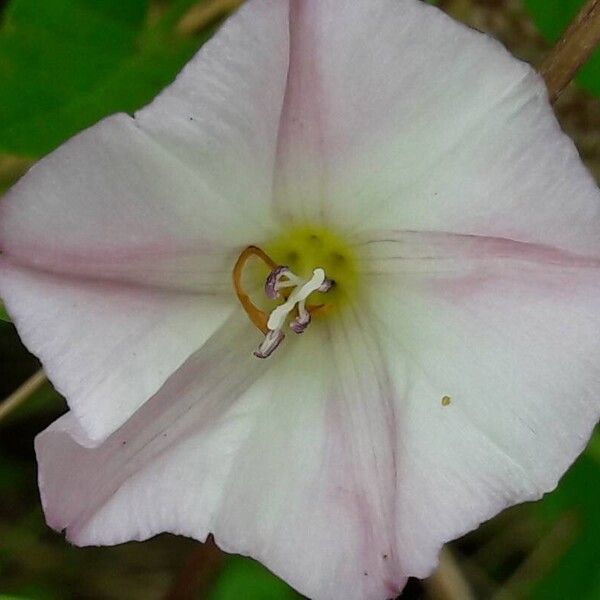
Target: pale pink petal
{"x":497,"y":369}
{"x":397,"y":116}
{"x":191,"y":406}
{"x":112,"y":204}
{"x":221,"y":116}
{"x":106,"y":347}
{"x":294,"y":466}
{"x":311,"y":493}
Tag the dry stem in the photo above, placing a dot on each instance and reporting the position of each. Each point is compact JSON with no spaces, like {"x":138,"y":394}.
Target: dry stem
{"x":448,"y":582}
{"x":573,"y":50}
{"x":19,"y":396}
{"x":203,"y":14}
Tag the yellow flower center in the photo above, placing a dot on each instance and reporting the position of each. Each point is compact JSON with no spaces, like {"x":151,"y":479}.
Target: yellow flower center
{"x":306,"y":272}
{"x":306,"y":248}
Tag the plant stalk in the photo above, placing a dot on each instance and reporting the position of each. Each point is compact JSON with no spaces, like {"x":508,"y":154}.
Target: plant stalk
{"x":572,"y":50}
{"x":203,"y":14}
{"x":19,"y":396}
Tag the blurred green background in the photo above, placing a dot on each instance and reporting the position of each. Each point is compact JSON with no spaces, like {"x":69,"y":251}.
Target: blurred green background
{"x":64,"y":64}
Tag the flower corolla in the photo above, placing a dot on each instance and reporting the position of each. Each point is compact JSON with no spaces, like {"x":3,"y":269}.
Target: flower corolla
{"x":393,"y":195}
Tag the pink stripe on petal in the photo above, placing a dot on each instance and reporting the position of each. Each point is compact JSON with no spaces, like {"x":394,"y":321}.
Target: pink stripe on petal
{"x":300,"y":184}
{"x":394,"y":252}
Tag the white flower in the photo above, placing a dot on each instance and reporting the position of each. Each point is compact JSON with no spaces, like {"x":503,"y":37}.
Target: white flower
{"x":453,"y":370}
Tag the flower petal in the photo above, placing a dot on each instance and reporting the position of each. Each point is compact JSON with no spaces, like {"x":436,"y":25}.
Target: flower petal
{"x":101,"y":484}
{"x":417,"y":122}
{"x":106,"y":347}
{"x":294,"y":466}
{"x":112,"y":204}
{"x":311,"y":493}
{"x":498,"y":373}
{"x":221,"y":116}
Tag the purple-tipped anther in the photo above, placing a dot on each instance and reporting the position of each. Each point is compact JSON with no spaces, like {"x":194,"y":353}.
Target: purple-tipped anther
{"x":326,"y":285}
{"x":300,"y":323}
{"x":269,"y":344}
{"x":273,"y":279}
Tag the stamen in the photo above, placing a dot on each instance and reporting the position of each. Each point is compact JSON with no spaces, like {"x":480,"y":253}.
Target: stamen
{"x":274,"y":282}
{"x":302,"y":321}
{"x":280,"y":277}
{"x":278,"y":316}
{"x":269,"y":344}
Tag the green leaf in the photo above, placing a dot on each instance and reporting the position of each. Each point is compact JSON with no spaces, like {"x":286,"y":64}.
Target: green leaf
{"x":593,"y":449}
{"x":245,"y":578}
{"x":66,"y":64}
{"x":3,"y":314}
{"x":552,"y":17}
{"x":577,"y":572}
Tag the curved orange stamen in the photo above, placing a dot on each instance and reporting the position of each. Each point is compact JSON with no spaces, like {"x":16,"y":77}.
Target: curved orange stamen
{"x":258,"y":317}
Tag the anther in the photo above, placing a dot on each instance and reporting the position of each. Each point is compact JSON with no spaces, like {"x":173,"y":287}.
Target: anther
{"x":302,"y":321}
{"x":269,"y":344}
{"x":280,"y":278}
{"x":326,"y":285}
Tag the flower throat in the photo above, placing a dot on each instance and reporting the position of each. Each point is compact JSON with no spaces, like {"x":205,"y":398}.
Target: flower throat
{"x":306,"y":273}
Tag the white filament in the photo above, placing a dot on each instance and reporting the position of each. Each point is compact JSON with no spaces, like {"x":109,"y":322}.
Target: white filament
{"x":279,"y":315}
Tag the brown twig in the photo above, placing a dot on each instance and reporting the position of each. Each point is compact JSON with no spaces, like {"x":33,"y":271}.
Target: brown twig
{"x":572,"y":51}
{"x":448,"y":582}
{"x":205,"y":13}
{"x":34,"y":383}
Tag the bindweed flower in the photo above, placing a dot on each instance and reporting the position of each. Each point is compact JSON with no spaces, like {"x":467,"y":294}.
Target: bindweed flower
{"x":377,"y":202}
